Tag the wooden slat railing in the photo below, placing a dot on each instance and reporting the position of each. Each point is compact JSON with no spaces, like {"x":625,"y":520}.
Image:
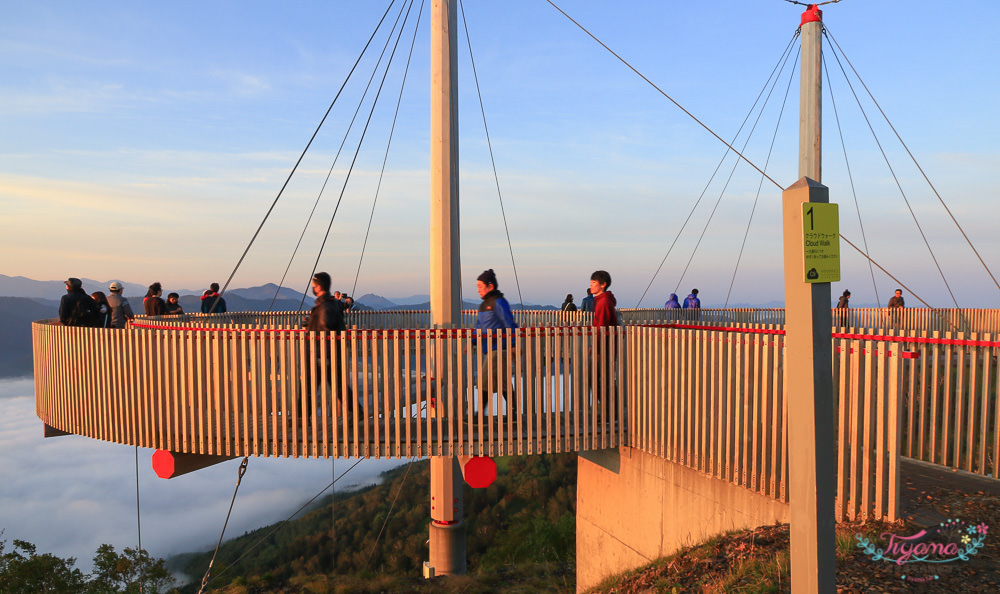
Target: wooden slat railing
{"x":276,"y":391}
{"x":708,"y":394}
{"x":715,"y":401}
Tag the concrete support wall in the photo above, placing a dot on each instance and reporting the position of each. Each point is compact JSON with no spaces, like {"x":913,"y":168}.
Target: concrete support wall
{"x":634,"y":507}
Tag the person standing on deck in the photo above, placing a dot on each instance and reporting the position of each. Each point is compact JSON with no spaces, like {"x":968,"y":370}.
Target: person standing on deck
{"x":587,"y":303}
{"x":212,"y":301}
{"x":896,"y":301}
{"x":326,"y":316}
{"x":76,"y":308}
{"x":494,"y":314}
{"x":842,"y":306}
{"x":173,"y":307}
{"x":692,"y":301}
{"x":605,"y":315}
{"x":568,"y":305}
{"x":121,"y":311}
{"x":672,"y":302}
{"x":152,"y":303}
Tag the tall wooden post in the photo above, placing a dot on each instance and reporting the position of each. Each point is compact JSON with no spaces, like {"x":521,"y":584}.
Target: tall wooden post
{"x":808,"y":350}
{"x":447,"y":531}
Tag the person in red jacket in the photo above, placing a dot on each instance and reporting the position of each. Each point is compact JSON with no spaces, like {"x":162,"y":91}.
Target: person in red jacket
{"x":605,"y":314}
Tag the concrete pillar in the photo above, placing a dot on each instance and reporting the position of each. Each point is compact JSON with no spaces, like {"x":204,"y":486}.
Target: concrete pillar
{"x":447,"y":530}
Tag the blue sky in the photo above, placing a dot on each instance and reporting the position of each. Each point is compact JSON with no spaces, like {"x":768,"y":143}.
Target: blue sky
{"x":146,"y":141}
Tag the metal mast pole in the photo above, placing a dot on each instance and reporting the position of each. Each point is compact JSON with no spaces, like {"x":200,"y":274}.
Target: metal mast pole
{"x":447,"y":531}
{"x":808,"y":348}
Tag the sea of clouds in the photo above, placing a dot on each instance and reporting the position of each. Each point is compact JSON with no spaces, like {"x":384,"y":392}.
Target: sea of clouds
{"x":68,"y":495}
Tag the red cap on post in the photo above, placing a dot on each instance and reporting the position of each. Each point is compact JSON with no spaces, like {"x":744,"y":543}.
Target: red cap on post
{"x":812,"y":15}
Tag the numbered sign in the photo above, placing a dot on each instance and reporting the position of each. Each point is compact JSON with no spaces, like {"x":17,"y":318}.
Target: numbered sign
{"x":821,"y":242}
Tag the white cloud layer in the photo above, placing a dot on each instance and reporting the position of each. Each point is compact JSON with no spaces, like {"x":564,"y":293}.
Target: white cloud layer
{"x":68,"y":495}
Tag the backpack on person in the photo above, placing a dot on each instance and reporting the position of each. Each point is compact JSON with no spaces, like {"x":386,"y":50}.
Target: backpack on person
{"x":85,"y":313}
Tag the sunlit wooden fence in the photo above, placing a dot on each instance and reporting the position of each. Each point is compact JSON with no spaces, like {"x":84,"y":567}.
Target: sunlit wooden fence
{"x":703,"y":393}
{"x":909,"y":319}
{"x":275,"y":391}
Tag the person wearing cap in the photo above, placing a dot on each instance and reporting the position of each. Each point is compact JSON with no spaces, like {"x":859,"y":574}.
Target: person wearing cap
{"x":121,"y":311}
{"x":212,"y":301}
{"x":494,"y":314}
{"x":76,"y":308}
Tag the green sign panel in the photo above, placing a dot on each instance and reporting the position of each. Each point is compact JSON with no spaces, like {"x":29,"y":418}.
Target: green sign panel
{"x":821,"y":242}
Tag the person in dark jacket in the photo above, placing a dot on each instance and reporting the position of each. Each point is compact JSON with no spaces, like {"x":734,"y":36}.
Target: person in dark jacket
{"x":568,"y":305}
{"x":842,"y":303}
{"x":212,"y":301}
{"x":896,"y":301}
{"x":327,"y":316}
{"x":672,"y":302}
{"x":76,"y":308}
{"x":103,"y":309}
{"x":494,"y":314}
{"x":173,"y":307}
{"x":152,"y":303}
{"x":587,"y":303}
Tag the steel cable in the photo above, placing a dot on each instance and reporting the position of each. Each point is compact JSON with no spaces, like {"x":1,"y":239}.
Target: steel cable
{"x":894,"y":177}
{"x":301,"y":156}
{"x":850,"y":178}
{"x":782,"y":59}
{"x":385,"y":159}
{"x":489,"y":144}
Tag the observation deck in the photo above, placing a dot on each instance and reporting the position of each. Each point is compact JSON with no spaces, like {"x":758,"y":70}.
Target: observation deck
{"x":701,"y":388}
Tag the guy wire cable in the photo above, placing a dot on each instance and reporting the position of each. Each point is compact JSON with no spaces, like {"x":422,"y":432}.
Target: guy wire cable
{"x":782,"y":59}
{"x":850,"y":178}
{"x":301,"y":156}
{"x":907,"y":148}
{"x":274,"y":529}
{"x":664,"y":93}
{"x":361,"y":141}
{"x":336,"y":158}
{"x":242,"y":470}
{"x":760,"y":184}
{"x":895,"y":178}
{"x":388,"y":145}
{"x":489,"y":144}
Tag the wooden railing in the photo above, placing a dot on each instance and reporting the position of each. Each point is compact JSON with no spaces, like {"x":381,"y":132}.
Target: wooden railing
{"x":703,"y":393}
{"x":280,"y":391}
{"x":715,"y":401}
{"x":909,"y":319}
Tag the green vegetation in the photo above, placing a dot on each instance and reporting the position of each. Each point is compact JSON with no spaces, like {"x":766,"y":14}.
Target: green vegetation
{"x":526,"y":519}
{"x":24,"y":570}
